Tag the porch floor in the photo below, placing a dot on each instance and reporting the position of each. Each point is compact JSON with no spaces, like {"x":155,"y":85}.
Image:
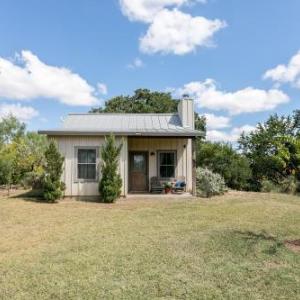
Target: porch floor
{"x":150,"y":195}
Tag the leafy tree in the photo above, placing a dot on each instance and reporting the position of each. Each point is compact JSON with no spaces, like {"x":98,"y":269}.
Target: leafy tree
{"x":52,"y":185}
{"x":111,"y":182}
{"x":224,"y":160}
{"x":6,"y":167}
{"x":145,"y":101}
{"x":11,"y":129}
{"x":273,"y":149}
{"x":26,"y":157}
{"x":21,"y":154}
{"x":30,"y":159}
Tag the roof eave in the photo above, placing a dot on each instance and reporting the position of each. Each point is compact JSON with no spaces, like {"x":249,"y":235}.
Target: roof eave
{"x":137,"y":134}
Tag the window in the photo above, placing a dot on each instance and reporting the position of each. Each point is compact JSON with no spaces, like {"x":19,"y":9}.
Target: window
{"x":86,"y":164}
{"x":166,"y":164}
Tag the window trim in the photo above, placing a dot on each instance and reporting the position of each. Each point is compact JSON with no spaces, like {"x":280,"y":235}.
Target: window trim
{"x":158,"y":164}
{"x":76,"y":148}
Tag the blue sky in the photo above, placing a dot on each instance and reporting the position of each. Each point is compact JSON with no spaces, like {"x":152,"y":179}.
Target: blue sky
{"x":58,"y":56}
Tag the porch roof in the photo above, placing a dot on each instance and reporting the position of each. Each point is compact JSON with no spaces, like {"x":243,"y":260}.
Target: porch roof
{"x":123,"y":124}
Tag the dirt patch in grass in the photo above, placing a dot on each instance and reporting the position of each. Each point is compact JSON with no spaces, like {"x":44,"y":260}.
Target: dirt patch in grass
{"x":293,"y":245}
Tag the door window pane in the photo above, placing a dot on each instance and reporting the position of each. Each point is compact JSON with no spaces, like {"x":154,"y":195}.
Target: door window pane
{"x":138,"y":163}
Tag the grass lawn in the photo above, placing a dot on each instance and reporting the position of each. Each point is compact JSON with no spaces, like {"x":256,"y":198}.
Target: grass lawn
{"x":229,"y":247}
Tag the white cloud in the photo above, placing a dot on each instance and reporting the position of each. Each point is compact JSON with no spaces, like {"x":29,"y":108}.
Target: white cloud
{"x":23,"y":113}
{"x":30,"y":78}
{"x":286,"y":73}
{"x":170,"y":30}
{"x":146,"y":10}
{"x":231,"y":136}
{"x":137,"y":63}
{"x":248,"y":100}
{"x":216,"y":122}
{"x":173,"y":31}
{"x":102,"y":88}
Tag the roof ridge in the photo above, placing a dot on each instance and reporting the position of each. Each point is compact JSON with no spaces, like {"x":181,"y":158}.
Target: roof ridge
{"x":139,"y":114}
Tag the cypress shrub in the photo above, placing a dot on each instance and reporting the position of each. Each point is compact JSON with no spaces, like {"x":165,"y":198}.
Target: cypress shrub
{"x":51,"y":184}
{"x":111,"y":182}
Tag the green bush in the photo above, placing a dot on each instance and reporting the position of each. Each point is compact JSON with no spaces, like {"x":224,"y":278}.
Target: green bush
{"x":51,"y":183}
{"x":268,"y":186}
{"x":209,"y":184}
{"x":226,"y":161}
{"x":289,"y":185}
{"x":52,"y":190}
{"x":111,"y":182}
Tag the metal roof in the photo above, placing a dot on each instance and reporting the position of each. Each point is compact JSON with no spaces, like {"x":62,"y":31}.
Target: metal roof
{"x":123,"y":124}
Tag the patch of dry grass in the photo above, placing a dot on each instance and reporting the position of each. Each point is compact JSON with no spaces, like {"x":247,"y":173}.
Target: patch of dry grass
{"x":228,"y":247}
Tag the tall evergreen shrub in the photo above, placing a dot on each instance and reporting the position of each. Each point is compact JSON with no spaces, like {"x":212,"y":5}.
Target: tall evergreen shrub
{"x":111,"y":182}
{"x":51,"y":183}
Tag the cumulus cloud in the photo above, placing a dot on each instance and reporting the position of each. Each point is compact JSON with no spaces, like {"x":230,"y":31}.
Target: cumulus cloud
{"x":232,"y":136}
{"x":23,"y":113}
{"x":102,"y":88}
{"x":248,"y":100}
{"x":136,"y":64}
{"x":289,"y":73}
{"x":173,"y":31}
{"x":216,"y":122}
{"x":170,"y":30}
{"x":146,"y":10}
{"x":30,"y":78}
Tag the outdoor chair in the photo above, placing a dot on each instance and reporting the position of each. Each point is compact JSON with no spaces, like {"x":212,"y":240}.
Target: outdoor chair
{"x":156,"y":186}
{"x":179,"y":186}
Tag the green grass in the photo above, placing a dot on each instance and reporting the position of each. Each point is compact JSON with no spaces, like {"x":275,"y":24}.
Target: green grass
{"x":229,"y":247}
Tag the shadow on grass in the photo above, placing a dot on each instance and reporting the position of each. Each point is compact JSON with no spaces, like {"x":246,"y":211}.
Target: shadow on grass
{"x":32,"y":196}
{"x":37,"y":196}
{"x":91,"y":199}
{"x":253,"y":239}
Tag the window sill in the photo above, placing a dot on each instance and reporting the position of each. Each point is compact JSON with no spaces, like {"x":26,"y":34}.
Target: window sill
{"x":86,"y":181}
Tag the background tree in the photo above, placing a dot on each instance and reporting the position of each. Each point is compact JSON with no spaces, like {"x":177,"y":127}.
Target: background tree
{"x":111,"y":182}
{"x":30,"y":160}
{"x":11,"y":129}
{"x":6,"y":167}
{"x":145,"y":101}
{"x":224,"y":160}
{"x":273,"y":149}
{"x":22,"y":151}
{"x":52,"y":185}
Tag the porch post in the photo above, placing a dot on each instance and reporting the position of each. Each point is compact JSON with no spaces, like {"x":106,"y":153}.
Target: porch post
{"x":194,"y":191}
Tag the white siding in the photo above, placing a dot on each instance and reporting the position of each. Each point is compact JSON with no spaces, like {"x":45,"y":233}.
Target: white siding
{"x":67,"y":144}
{"x":183,"y":147}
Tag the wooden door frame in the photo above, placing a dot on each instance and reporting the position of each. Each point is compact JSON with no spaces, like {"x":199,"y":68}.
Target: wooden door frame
{"x":146,"y":153}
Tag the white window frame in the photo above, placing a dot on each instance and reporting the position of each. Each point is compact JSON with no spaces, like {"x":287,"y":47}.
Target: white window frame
{"x":96,"y":179}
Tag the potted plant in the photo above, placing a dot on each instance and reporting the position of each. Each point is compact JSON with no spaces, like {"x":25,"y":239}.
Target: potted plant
{"x":168,"y":187}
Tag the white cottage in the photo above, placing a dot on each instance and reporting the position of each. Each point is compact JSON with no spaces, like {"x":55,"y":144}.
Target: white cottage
{"x":154,"y":145}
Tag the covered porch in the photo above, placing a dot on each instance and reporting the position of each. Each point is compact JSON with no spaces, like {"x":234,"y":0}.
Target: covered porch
{"x":165,"y":159}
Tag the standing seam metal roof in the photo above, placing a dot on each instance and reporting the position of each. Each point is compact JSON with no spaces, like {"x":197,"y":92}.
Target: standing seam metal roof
{"x":155,"y":124}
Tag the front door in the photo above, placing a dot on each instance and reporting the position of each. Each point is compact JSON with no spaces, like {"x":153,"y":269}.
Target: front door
{"x":138,"y":171}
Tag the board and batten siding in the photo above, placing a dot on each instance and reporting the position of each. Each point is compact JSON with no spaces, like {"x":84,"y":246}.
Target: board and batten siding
{"x":182,"y":146}
{"x":67,"y":146}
